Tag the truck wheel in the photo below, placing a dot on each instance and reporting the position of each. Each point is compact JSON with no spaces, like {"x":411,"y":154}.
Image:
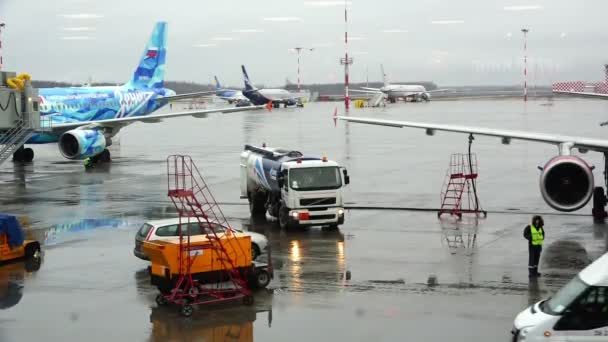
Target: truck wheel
{"x":284,"y":218}
{"x":32,"y":250}
{"x":161,"y":300}
{"x":257,"y":206}
{"x":255,"y":251}
{"x":262,"y":279}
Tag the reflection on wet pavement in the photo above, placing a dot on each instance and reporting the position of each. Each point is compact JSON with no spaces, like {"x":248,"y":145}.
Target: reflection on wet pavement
{"x":13,"y":276}
{"x":219,"y":323}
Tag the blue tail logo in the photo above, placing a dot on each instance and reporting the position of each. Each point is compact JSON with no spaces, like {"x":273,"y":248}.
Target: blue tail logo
{"x":218,"y":86}
{"x":248,"y":85}
{"x":150,"y":72}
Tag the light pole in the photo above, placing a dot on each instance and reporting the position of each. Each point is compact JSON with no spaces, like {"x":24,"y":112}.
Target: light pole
{"x":525,"y":31}
{"x":298,"y":50}
{"x":2,"y":25}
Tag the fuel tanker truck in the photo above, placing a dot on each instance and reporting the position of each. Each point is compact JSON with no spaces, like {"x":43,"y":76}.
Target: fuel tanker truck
{"x":297,"y":189}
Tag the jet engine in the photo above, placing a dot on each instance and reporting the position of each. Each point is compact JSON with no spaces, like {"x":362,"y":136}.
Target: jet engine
{"x":426,"y":97}
{"x":82,"y":143}
{"x":566,"y":183}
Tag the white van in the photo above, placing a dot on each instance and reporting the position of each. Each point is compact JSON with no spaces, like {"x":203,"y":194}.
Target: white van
{"x":576,"y":313}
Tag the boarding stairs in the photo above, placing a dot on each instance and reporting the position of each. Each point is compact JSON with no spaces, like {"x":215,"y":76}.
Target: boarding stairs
{"x":13,"y":139}
{"x":194,"y":202}
{"x":459,"y":193}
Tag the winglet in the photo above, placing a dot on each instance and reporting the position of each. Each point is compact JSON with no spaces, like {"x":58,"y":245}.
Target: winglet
{"x":335,"y":117}
{"x":269,"y":106}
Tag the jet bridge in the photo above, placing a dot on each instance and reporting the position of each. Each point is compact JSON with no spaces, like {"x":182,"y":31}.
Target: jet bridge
{"x":19,"y":112}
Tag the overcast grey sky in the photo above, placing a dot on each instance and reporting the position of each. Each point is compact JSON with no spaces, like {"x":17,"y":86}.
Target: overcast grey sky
{"x":447,"y":41}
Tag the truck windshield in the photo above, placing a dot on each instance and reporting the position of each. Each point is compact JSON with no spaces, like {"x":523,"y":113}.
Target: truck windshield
{"x":563,"y":298}
{"x":315,"y":178}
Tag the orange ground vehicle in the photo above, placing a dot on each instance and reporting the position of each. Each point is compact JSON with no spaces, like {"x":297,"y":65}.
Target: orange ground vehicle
{"x":12,"y":243}
{"x":205,"y":263}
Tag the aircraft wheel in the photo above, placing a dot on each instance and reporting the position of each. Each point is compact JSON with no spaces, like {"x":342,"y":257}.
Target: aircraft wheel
{"x":19,"y":155}
{"x":105,"y":156}
{"x":28,"y":155}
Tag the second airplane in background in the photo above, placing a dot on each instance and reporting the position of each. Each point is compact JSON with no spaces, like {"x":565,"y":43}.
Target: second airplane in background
{"x":230,"y":95}
{"x":415,"y":92}
{"x":263,"y":96}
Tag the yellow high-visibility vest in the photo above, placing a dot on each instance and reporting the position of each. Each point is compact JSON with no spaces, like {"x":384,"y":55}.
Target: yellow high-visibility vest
{"x":538,"y":236}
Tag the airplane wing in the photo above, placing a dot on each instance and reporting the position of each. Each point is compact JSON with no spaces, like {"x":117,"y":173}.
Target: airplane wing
{"x":582,"y":94}
{"x":372,"y":89}
{"x":437,"y":90}
{"x":119,"y":122}
{"x":366,"y":91}
{"x":506,"y":135}
{"x":185,"y":96}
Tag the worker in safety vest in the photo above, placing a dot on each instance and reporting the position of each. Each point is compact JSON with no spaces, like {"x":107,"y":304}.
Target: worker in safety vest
{"x":535,"y":234}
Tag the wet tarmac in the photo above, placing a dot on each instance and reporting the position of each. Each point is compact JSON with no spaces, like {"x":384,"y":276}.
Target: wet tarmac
{"x":386,"y":275}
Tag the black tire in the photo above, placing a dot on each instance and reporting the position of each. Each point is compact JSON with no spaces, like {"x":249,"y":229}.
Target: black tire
{"x":332,"y":227}
{"x":32,"y":250}
{"x":257,"y":205}
{"x":186,"y":310}
{"x":105,"y":156}
{"x":599,"y":198}
{"x":33,"y":264}
{"x":18,"y":156}
{"x":28,"y":155}
{"x":262,"y":279}
{"x":284,"y":218}
{"x":255,"y":251}
{"x":161,"y":300}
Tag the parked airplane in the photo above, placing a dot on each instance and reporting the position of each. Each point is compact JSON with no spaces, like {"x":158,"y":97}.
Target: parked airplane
{"x":566,"y":180}
{"x":229,"y":95}
{"x":415,"y":92}
{"x":83,"y":120}
{"x":264,"y":96}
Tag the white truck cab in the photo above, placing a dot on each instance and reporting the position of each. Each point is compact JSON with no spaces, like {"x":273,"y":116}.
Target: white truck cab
{"x":576,"y":313}
{"x":296,"y":189}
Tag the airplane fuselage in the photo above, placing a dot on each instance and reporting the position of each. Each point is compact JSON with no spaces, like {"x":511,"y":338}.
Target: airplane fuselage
{"x":230,"y":95}
{"x":403,"y":90}
{"x":83,"y":104}
{"x":263,"y":96}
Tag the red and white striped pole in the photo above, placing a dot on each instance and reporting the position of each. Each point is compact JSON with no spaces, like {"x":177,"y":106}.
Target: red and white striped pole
{"x":2,"y":25}
{"x":346,"y":61}
{"x":299,"y":50}
{"x":525,"y":31}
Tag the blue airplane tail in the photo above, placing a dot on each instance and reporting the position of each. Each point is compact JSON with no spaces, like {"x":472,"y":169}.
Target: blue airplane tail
{"x":248,"y":85}
{"x":150,"y":72}
{"x":218,"y":86}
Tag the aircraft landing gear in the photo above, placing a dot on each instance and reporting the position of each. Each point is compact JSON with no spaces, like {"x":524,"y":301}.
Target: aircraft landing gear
{"x":23,"y":155}
{"x":103,"y":157}
{"x":599,"y":204}
{"x":599,"y":197}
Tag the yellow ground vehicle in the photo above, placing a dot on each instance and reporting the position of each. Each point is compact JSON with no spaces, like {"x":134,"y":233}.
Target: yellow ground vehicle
{"x":12,"y":243}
